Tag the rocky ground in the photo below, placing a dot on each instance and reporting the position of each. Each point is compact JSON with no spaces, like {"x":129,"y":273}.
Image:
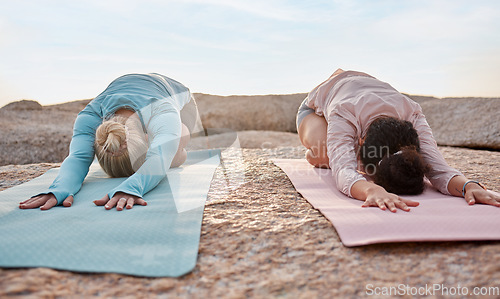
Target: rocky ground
{"x":262,"y":239}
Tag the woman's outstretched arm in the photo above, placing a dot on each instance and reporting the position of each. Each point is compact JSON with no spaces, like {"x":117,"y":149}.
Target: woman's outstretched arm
{"x":445,"y":178}
{"x":74,"y":168}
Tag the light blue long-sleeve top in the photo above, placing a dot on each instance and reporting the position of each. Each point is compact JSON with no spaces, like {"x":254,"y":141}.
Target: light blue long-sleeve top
{"x":157,"y":100}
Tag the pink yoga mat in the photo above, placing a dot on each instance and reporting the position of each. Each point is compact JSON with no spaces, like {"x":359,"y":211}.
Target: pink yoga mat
{"x":438,"y":217}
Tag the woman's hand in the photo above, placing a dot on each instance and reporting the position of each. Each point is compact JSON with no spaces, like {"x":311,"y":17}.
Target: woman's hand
{"x":479,"y":195}
{"x":474,"y":193}
{"x":376,"y":196}
{"x":44,"y":202}
{"x":120,"y":200}
{"x":385,"y":200}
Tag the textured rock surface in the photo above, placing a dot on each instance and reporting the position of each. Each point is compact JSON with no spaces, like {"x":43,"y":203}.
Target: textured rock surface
{"x":468,"y":122}
{"x":261,"y":239}
{"x":36,"y":135}
{"x":264,"y":112}
{"x":23,"y":105}
{"x":246,"y":139}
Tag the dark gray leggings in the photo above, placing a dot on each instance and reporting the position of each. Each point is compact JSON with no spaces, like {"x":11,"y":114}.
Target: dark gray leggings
{"x":303,"y":111}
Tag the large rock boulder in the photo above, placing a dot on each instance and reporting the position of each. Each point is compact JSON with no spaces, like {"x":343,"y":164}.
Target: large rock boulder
{"x":32,"y":133}
{"x":260,"y":112}
{"x":22,"y":105}
{"x":465,"y":122}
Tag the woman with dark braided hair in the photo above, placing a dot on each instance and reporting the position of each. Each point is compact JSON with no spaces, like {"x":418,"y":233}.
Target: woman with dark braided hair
{"x":362,"y":127}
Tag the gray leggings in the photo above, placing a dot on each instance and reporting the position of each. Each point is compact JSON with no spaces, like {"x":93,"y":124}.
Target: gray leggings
{"x":304,"y":110}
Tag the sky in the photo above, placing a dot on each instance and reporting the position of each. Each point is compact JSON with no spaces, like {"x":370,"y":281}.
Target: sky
{"x":59,"y":51}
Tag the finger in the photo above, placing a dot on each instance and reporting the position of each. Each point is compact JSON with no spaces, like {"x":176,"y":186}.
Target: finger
{"x":130,"y":202}
{"x":495,"y":196}
{"x":497,"y":199}
{"x":490,"y":198}
{"x":49,"y":203}
{"x":488,"y":201}
{"x":68,"y":202}
{"x":34,"y":203}
{"x":102,"y":201}
{"x":402,"y":205}
{"x":112,"y":202}
{"x":409,"y":203}
{"x":469,"y":198}
{"x":366,"y":204}
{"x":381,"y":204}
{"x":390,"y":204}
{"x":141,"y":201}
{"x":121,"y":203}
{"x":30,"y":200}
{"x":369,"y":203}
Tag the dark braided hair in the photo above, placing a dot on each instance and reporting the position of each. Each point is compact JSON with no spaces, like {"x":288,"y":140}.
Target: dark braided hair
{"x":391,"y":156}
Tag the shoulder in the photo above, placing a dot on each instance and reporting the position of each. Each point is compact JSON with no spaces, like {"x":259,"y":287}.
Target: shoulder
{"x":87,"y":120}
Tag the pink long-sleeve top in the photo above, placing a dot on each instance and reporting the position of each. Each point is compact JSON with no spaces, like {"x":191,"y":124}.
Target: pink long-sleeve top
{"x":350,"y":101}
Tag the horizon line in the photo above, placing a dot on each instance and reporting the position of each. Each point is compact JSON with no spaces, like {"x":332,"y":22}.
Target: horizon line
{"x":44,"y":103}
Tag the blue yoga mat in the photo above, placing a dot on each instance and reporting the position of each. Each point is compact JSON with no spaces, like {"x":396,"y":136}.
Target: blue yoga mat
{"x":160,"y":239}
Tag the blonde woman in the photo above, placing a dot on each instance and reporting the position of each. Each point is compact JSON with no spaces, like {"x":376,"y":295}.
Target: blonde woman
{"x":134,"y":129}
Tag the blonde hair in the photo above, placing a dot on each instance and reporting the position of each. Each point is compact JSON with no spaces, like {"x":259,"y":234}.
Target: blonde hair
{"x":121,"y":145}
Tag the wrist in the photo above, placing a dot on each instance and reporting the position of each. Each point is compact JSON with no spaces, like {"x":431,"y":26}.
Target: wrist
{"x":373,"y":189}
{"x":361,"y":189}
{"x":471,"y":185}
